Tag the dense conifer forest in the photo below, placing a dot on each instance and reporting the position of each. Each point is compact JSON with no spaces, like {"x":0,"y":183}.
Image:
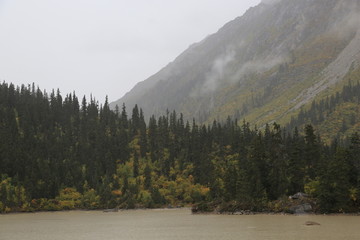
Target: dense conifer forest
{"x":58,"y":152}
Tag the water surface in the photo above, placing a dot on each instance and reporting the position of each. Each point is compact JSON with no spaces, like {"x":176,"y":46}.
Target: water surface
{"x":173,"y":224}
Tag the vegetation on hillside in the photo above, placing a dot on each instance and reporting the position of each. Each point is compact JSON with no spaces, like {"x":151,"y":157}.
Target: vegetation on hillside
{"x":58,"y":153}
{"x":336,"y":115}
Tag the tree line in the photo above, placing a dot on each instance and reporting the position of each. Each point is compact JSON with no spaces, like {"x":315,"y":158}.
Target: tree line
{"x":320,"y":110}
{"x":61,"y":153}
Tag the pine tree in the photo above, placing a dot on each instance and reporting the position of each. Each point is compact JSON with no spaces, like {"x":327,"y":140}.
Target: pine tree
{"x":312,"y":155}
{"x":334,"y":186}
{"x":277,"y":164}
{"x":136,"y":165}
{"x":296,"y":163}
{"x":147,"y":175}
{"x":143,"y":135}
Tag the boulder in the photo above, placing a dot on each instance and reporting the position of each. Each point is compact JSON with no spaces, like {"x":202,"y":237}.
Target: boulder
{"x":311,"y":223}
{"x":299,"y":195}
{"x":243,"y":212}
{"x":301,"y":209}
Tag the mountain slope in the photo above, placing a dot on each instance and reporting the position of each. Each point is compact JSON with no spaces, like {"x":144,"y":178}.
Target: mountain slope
{"x":262,"y":66}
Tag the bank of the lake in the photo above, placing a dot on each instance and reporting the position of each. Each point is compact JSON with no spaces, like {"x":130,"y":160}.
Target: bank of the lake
{"x":167,"y":224}
{"x":299,"y":203}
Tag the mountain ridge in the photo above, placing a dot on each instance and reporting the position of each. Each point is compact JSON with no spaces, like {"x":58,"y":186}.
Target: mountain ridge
{"x":263,"y":66}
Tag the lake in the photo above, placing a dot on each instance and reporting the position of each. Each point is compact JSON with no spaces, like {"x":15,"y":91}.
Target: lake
{"x":173,"y":224}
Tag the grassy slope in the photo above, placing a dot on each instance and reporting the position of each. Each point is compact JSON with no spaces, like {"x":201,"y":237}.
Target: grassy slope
{"x":302,"y":72}
{"x":347,"y":113}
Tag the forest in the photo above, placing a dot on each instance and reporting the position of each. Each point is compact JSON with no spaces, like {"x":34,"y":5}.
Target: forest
{"x":321,"y":110}
{"x":59,"y":153}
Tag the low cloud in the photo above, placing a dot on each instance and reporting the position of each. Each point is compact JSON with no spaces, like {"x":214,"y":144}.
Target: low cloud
{"x":348,"y":24}
{"x":221,"y":73}
{"x":256,"y":66}
{"x":218,"y":72}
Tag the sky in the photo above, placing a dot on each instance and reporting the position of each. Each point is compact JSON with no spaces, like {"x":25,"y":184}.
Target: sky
{"x":102,"y":47}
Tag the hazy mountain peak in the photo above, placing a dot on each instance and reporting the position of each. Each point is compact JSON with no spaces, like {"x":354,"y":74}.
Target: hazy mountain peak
{"x":270,"y":1}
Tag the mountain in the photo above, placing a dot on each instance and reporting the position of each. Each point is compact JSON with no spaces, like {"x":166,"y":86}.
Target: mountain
{"x":264,"y":66}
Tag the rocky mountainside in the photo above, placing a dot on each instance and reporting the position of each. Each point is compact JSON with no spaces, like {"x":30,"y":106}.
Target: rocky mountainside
{"x":263,"y":66}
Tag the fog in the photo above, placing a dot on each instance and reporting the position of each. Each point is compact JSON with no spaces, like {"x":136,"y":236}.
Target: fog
{"x":218,"y":71}
{"x":102,"y":47}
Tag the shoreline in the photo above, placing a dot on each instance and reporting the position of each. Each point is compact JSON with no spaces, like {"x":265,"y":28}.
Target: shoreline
{"x":280,"y":214}
{"x":238,"y":213}
{"x":97,"y":210}
{"x":251,"y":213}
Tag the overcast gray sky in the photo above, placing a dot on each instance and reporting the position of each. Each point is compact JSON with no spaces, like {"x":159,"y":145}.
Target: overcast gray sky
{"x":103,"y":47}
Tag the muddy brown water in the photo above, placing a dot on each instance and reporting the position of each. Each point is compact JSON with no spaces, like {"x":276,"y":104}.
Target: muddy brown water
{"x":170,"y":224}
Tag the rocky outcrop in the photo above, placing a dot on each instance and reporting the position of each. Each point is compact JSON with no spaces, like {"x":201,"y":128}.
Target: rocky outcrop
{"x":334,"y":72}
{"x":299,"y":195}
{"x":300,"y":203}
{"x":301,"y":209}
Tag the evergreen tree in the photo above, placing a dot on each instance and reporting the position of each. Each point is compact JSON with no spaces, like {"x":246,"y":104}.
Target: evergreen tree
{"x":147,"y":175}
{"x":312,"y":153}
{"x":296,"y":163}
{"x":334,"y":186}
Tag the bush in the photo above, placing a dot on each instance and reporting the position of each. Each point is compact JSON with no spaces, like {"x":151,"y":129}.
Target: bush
{"x":90,"y":200}
{"x":69,"y":199}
